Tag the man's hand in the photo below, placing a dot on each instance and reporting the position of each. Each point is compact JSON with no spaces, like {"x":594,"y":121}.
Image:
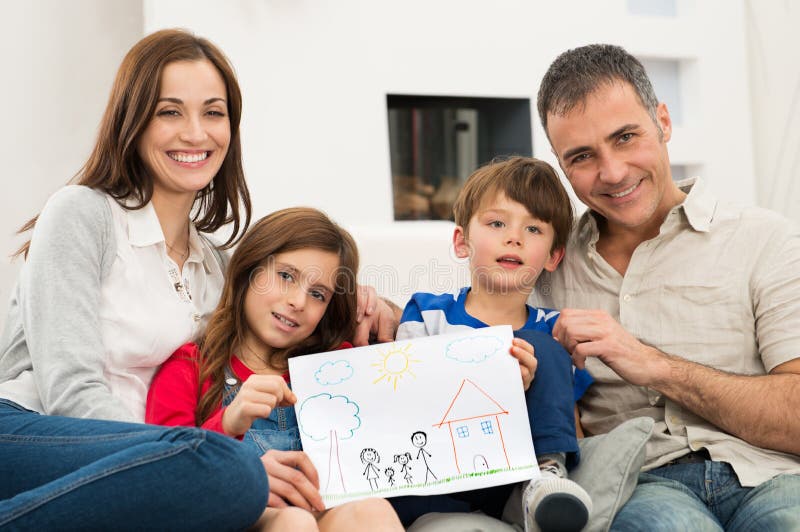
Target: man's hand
{"x":523,"y":352}
{"x":586,"y":333}
{"x":257,"y":397}
{"x":376,"y":317}
{"x":293,"y":480}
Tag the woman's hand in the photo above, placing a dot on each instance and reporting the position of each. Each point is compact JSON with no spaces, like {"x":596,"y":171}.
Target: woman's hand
{"x":377,"y":318}
{"x":523,"y":352}
{"x":257,"y":397}
{"x":293,"y":480}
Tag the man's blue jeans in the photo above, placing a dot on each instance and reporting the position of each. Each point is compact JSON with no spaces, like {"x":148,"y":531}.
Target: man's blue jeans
{"x":708,"y":496}
{"x":59,"y":473}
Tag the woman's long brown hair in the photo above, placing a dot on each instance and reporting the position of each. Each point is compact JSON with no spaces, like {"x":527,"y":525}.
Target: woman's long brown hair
{"x":114,"y":166}
{"x":280,"y":232}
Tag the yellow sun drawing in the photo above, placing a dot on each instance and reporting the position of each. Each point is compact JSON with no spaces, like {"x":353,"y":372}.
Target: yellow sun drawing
{"x":394,"y":365}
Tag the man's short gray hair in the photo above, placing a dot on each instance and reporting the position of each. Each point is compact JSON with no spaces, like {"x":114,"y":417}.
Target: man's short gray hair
{"x":577,"y":73}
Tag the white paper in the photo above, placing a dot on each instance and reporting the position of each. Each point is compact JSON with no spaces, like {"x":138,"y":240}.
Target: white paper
{"x":358,"y":408}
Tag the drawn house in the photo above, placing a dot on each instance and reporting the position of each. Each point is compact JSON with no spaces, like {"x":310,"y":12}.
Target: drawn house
{"x":473,"y":419}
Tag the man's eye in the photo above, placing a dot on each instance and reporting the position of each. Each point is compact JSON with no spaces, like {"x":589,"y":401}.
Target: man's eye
{"x":580,"y":158}
{"x":625,"y":137}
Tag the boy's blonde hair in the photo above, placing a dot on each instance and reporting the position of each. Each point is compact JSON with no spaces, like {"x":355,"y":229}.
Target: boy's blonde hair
{"x":526,"y":180}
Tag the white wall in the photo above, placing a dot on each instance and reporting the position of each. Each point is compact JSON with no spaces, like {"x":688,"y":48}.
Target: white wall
{"x":775,"y":84}
{"x":59,"y":62}
{"x":315,"y":74}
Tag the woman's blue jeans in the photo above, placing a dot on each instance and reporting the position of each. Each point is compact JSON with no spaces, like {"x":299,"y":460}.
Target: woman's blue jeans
{"x":59,"y":473}
{"x":708,"y":497}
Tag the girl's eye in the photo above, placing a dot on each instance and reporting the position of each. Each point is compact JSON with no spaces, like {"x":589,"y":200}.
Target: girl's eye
{"x":286,"y":276}
{"x":316,"y":294}
{"x":497,"y":224}
{"x":533,"y":229}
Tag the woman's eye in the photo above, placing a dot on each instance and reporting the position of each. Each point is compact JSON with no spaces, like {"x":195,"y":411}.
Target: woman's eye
{"x":168,"y":112}
{"x":216,"y":113}
{"x":286,"y":276}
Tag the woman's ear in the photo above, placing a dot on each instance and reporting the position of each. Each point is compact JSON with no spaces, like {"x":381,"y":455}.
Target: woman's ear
{"x":555,"y":258}
{"x":460,"y":245}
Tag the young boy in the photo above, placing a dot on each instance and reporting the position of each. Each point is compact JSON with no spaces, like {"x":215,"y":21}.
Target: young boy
{"x":513,"y":219}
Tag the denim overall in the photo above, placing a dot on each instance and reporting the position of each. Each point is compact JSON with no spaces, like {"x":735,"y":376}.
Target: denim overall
{"x":279,"y":431}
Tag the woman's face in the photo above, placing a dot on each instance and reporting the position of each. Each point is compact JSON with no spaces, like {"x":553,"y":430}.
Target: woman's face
{"x":187,"y":138}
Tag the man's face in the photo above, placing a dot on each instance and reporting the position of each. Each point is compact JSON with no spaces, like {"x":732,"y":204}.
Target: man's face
{"x":418,"y":439}
{"x":615,"y":158}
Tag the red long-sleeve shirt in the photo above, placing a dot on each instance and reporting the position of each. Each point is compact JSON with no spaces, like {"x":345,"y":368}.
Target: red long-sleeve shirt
{"x":172,"y":398}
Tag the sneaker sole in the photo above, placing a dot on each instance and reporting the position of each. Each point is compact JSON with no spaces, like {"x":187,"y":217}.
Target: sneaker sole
{"x":561,"y":512}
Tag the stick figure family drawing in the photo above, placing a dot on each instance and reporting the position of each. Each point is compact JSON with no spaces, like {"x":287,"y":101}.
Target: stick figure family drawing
{"x":370,"y":458}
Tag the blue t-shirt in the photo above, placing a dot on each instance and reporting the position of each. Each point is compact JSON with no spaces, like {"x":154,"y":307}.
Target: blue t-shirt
{"x":430,"y":314}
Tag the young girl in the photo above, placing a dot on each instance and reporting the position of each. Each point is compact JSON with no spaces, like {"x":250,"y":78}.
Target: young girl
{"x":289,"y":291}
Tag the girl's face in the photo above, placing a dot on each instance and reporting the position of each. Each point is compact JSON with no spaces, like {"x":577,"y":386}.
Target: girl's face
{"x":287,"y":298}
{"x":187,"y":138}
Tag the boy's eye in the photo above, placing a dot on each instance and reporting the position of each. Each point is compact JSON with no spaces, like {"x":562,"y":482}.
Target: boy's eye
{"x":497,"y":224}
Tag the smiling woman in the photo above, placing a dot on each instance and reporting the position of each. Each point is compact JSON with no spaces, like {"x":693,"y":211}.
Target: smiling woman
{"x":116,"y":277}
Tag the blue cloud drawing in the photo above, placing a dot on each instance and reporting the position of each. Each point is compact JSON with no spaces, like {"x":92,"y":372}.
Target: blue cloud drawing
{"x":333,"y":372}
{"x":473,"y":350}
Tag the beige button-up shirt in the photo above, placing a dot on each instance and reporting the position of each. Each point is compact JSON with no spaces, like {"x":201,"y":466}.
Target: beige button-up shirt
{"x":719,"y":286}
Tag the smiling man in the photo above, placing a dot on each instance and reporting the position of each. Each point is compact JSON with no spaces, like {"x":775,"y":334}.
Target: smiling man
{"x":682,"y":308}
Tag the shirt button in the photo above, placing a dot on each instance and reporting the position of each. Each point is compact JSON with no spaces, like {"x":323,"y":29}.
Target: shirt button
{"x":626,"y":297}
{"x":196,"y":316}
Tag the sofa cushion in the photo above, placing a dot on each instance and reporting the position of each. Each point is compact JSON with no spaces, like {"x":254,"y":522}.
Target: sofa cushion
{"x":609,"y":468}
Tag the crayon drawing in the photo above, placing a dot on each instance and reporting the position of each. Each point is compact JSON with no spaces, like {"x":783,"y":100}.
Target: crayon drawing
{"x":473,"y":420}
{"x":394,"y":364}
{"x":425,"y":416}
{"x":329,"y":417}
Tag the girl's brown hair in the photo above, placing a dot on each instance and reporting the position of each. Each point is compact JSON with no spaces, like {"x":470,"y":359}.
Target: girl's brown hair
{"x":114,"y":165}
{"x":280,"y":232}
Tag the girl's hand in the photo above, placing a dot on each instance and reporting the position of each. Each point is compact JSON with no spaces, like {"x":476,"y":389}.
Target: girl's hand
{"x":293,"y":480}
{"x":523,"y":352}
{"x":257,"y":397}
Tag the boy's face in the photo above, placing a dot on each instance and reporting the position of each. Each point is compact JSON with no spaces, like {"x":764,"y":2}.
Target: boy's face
{"x":507,"y":247}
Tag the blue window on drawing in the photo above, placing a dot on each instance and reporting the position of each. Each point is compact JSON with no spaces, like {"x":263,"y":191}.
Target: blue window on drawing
{"x":486,"y":427}
{"x":462,"y":431}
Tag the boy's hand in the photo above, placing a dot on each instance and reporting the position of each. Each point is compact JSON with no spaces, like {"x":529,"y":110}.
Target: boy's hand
{"x":257,"y":397}
{"x":293,"y":480}
{"x":523,"y":352}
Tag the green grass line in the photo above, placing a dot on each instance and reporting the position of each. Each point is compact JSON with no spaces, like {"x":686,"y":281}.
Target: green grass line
{"x":398,"y":487}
